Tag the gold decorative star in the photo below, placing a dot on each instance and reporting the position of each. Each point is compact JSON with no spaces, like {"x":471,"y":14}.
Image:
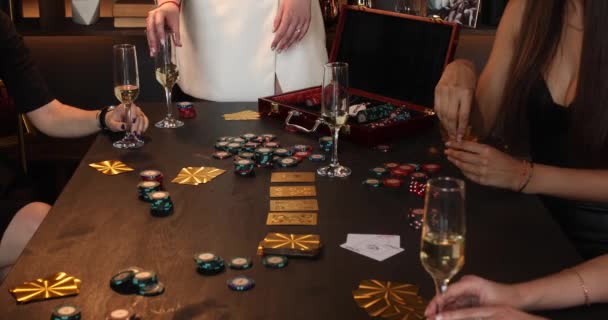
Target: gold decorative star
{"x":111,"y":167}
{"x":54,"y":286}
{"x":304,"y":242}
{"x":390,"y":300}
{"x":197,"y":175}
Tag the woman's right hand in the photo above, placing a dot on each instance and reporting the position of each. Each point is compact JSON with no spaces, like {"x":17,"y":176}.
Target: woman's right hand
{"x":454,"y":97}
{"x":475,"y":292}
{"x":163,"y":16}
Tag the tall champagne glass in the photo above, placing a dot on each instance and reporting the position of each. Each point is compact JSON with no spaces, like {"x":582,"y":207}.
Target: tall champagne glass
{"x":443,"y":230}
{"x":166,"y":74}
{"x":334,"y":111}
{"x":126,"y":90}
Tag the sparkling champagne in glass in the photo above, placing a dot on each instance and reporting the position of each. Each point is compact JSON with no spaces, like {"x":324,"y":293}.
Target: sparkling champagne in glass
{"x":443,"y":230}
{"x":166,"y":72}
{"x":126,"y":90}
{"x":334,"y":112}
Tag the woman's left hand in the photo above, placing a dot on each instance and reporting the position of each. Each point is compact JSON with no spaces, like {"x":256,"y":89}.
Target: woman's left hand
{"x":485,"y":165}
{"x":291,"y":23}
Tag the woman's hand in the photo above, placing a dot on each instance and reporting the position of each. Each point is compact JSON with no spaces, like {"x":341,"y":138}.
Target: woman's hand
{"x":291,"y":23}
{"x":115,"y":119}
{"x":485,"y":313}
{"x":159,"y":18}
{"x":486,"y":165}
{"x":454,"y":97}
{"x":474,"y":295}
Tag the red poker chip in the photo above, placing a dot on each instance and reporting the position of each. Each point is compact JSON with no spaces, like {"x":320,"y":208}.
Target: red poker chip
{"x":399,"y":173}
{"x":419,"y":176}
{"x":406,"y":167}
{"x":392,"y":182}
{"x":431,"y":167}
{"x":301,"y":155}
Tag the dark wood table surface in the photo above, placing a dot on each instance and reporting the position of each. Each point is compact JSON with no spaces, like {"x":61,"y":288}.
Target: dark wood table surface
{"x":98,"y":226}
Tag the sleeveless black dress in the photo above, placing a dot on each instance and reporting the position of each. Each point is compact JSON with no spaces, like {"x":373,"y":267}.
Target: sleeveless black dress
{"x":585,"y":223}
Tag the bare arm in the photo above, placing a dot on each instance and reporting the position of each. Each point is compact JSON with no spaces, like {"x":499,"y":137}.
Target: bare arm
{"x":59,"y":120}
{"x":576,"y":184}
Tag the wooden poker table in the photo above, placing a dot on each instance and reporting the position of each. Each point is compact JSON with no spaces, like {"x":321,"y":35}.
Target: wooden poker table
{"x":98,"y":227}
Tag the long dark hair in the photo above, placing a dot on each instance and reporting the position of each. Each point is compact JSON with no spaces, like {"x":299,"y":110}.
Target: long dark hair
{"x":541,"y":31}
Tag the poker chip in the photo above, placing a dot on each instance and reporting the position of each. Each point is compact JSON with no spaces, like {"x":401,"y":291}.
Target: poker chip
{"x":268,"y":137}
{"x":246,"y":155}
{"x":121,"y":314}
{"x":151,"y":175}
{"x":288,"y":162}
{"x":301,"y":155}
{"x":122,"y":282}
{"x":431,"y":167}
{"x":272,"y":144}
{"x":416,"y":166}
{"x":144,"y":278}
{"x":244,"y":167}
{"x":282,"y":152}
{"x":224,"y":139}
{"x":238,"y":140}
{"x":251,"y":146}
{"x":383,"y":148}
{"x":205,"y":257}
{"x":222,"y":155}
{"x":326,"y":143}
{"x":275,"y":262}
{"x":400,"y":173}
{"x":406,"y":167}
{"x":379,"y":171}
{"x":162,"y":206}
{"x":240,"y":263}
{"x":371,"y":182}
{"x":208,"y":263}
{"x":152,"y":290}
{"x":222,"y":145}
{"x":66,"y":312}
{"x":317,"y":157}
{"x":234,"y":147}
{"x":415,"y":218}
{"x":392,"y":182}
{"x":391,"y":165}
{"x":145,"y":188}
{"x":249,"y":136}
{"x":302,"y":148}
{"x":240,"y":283}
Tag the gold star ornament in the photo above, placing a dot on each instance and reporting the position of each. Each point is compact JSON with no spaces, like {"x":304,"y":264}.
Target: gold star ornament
{"x":54,"y":286}
{"x":305,"y":245}
{"x":111,"y":167}
{"x":197,"y":175}
{"x":390,"y":300}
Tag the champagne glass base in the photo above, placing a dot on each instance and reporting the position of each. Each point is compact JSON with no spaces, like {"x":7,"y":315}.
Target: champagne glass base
{"x":169,"y":123}
{"x":130,"y":141}
{"x":334,"y":171}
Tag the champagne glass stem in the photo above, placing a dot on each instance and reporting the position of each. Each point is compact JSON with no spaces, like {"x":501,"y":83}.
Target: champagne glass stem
{"x":168,"y":99}
{"x":441,"y":286}
{"x":334,"y":155}
{"x":128,"y":120}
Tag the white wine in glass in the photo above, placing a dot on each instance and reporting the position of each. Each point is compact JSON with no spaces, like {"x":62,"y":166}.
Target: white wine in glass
{"x":334,"y":112}
{"x":167,"y":73}
{"x":126,"y":90}
{"x":443,"y":230}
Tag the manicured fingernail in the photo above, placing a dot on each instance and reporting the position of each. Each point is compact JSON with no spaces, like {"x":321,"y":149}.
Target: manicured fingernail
{"x":272,"y":48}
{"x":123,"y":126}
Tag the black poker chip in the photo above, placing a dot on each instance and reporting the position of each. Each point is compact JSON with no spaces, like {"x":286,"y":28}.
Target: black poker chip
{"x":152,"y":290}
{"x":275,"y":262}
{"x":240,"y":263}
{"x":240,"y":283}
{"x":122,"y":282}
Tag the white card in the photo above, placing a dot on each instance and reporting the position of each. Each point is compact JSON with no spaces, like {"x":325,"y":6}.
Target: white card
{"x":377,"y":247}
{"x":393,"y":240}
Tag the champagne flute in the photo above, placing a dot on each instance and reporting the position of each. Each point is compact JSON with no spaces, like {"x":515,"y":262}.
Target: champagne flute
{"x":334,"y":112}
{"x":166,"y":74}
{"x":443,"y":230}
{"x":126,"y":90}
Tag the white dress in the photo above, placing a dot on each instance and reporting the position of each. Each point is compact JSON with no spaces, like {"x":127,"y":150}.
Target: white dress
{"x":226,"y":54}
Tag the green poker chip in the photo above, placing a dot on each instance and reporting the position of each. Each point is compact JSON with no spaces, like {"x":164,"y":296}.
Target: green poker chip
{"x":240,"y":263}
{"x":66,"y":312}
{"x":275,"y":262}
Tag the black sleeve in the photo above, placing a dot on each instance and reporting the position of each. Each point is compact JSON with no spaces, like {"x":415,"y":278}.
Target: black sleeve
{"x":18,"y":71}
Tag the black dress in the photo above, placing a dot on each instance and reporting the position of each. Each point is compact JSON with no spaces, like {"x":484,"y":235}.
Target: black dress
{"x":585,"y":223}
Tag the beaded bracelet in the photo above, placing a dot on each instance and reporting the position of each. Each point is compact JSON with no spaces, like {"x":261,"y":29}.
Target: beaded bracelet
{"x":170,"y":1}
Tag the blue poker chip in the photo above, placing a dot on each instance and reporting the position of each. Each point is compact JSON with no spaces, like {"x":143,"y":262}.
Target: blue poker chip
{"x":66,"y":312}
{"x":144,"y":278}
{"x":317,"y":157}
{"x":122,"y":282}
{"x":240,"y":263}
{"x":240,"y":283}
{"x":152,"y":290}
{"x":275,"y":262}
{"x":288,"y":162}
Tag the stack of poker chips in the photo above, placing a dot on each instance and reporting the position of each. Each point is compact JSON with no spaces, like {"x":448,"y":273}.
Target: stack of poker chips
{"x":264,"y":157}
{"x":162,"y":205}
{"x":145,"y":188}
{"x":398,"y":115}
{"x":244,"y":167}
{"x":186,"y":110}
{"x":66,"y":312}
{"x":134,"y":280}
{"x":121,"y":314}
{"x":152,"y":175}
{"x":394,"y":175}
{"x":208,"y":264}
{"x":234,"y":147}
{"x":326,"y":143}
